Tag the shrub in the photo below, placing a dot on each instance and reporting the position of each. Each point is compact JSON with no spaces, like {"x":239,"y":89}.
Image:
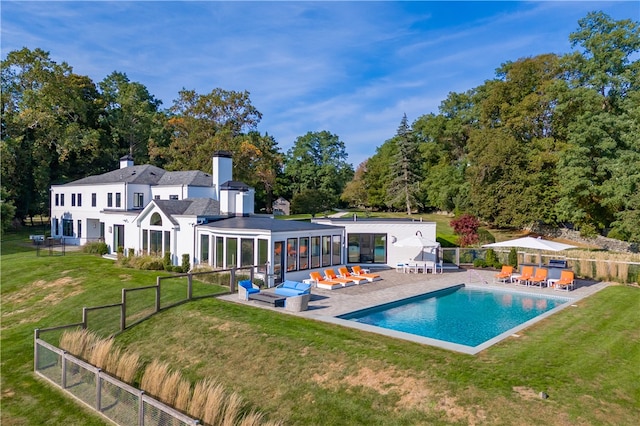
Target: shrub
{"x":186,"y":265}
{"x":492,"y":260}
{"x":485,"y":237}
{"x":513,"y":257}
{"x":131,"y":252}
{"x":96,"y":247}
{"x":166,"y":260}
{"x":480,"y":263}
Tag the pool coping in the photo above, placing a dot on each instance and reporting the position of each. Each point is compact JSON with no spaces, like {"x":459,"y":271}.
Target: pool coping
{"x":327,"y":305}
{"x":457,"y":347}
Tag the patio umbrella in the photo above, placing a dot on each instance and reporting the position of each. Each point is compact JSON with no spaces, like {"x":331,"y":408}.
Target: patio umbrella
{"x":417,"y":242}
{"x":532,"y":243}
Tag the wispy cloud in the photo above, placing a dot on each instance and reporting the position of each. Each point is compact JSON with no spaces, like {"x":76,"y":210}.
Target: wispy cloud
{"x":352,"y":68}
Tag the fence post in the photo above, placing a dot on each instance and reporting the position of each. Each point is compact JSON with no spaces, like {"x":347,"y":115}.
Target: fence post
{"x":123,"y":310}
{"x":98,"y":391}
{"x":189,"y":286}
{"x":232,"y":281}
{"x":157,"y":294}
{"x":63,"y":381}
{"x":458,"y":256}
{"x":36,"y":335}
{"x":141,"y":409}
{"x":84,"y":318}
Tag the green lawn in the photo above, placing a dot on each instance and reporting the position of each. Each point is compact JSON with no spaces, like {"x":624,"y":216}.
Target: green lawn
{"x":586,"y":358}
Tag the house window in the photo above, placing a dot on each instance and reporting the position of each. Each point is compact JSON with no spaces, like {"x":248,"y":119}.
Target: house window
{"x":73,"y":200}
{"x":156,"y":197}
{"x":118,"y":199}
{"x":326,"y":250}
{"x":156,"y":219}
{"x":292,"y":254}
{"x":232,"y":252}
{"x":109,"y":199}
{"x":303,"y":253}
{"x":57,"y":199}
{"x":167,"y":241}
{"x":219,"y":252}
{"x":79,"y":229}
{"x":155,"y":242}
{"x":173,"y":197}
{"x":62,"y":199}
{"x":367,"y":248}
{"x":67,"y":227}
{"x":315,"y":252}
{"x":145,"y":241}
{"x":336,"y":254}
{"x":94,"y":199}
{"x":138,"y":200}
{"x":54,"y":227}
{"x":204,"y":248}
{"x":79,"y":200}
{"x":263,"y":248}
{"x":246,"y":252}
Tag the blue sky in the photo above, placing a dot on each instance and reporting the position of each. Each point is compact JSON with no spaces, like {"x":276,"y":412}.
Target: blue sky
{"x":351,"y":68}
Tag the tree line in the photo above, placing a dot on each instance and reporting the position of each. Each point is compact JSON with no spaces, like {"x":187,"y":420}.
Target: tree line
{"x":551,"y":139}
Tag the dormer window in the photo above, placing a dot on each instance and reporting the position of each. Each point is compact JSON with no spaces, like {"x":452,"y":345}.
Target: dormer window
{"x":156,"y":219}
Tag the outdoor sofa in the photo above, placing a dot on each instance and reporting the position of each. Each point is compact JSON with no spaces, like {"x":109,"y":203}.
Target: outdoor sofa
{"x":292,"y":288}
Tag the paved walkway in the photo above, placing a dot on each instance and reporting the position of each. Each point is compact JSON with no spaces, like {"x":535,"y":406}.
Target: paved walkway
{"x":326,"y":305}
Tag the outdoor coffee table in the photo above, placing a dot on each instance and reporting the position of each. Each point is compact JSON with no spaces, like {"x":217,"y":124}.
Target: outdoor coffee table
{"x":272,"y":299}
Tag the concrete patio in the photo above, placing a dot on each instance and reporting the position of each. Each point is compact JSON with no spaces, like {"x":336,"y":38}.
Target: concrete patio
{"x":326,"y":305}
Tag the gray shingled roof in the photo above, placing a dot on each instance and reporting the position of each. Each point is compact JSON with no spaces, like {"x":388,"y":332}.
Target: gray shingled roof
{"x":189,"y":207}
{"x":267,"y":223}
{"x":190,"y":177}
{"x":145,"y":174}
{"x":148,"y":175}
{"x":234,"y":184}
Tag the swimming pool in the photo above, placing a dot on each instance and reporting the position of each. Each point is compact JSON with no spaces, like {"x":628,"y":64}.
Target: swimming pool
{"x":462,"y":315}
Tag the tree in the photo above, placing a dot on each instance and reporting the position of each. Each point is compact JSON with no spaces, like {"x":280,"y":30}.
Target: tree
{"x":404,"y":185}
{"x":466,"y":227}
{"x":599,"y":167}
{"x":202,"y":124}
{"x":310,"y":201}
{"x":7,"y":212}
{"x":355,"y":192}
{"x":130,"y":111}
{"x":258,"y":162}
{"x":318,"y":162}
{"x":50,"y":129}
{"x":376,"y":176}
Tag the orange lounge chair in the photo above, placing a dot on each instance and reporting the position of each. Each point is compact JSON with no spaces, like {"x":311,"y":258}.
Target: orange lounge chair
{"x":330,"y":274}
{"x":565,"y":282}
{"x":323,"y":283}
{"x":540,"y":277}
{"x":525,"y":276}
{"x":344,"y":273}
{"x":504,"y":274}
{"x":358,"y":272}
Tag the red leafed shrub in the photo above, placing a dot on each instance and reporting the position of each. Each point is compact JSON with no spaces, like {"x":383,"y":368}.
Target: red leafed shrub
{"x":466,"y":226}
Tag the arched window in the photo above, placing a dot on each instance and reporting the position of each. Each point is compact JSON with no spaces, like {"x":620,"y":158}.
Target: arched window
{"x":156,"y":219}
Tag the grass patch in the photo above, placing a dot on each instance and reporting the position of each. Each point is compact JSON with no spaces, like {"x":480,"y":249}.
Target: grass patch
{"x":305,"y":372}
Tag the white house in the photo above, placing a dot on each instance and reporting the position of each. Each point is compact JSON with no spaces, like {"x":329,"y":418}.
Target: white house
{"x":211,"y":218}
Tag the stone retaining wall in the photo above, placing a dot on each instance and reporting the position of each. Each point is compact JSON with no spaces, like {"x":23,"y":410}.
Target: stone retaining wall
{"x":604,"y":243}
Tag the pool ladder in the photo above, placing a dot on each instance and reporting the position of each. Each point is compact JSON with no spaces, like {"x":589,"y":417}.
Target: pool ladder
{"x":482,"y":280}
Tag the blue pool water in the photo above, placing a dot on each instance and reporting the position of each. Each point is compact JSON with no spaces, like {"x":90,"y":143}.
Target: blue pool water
{"x":467,"y":316}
